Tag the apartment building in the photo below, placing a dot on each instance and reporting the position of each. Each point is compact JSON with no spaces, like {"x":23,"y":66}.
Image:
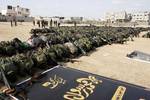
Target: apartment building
{"x":16,"y":11}
{"x":117,"y":17}
{"x":141,"y":17}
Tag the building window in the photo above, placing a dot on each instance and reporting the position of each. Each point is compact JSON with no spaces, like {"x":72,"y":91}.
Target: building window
{"x":27,"y":10}
{"x":19,"y":12}
{"x":9,"y":7}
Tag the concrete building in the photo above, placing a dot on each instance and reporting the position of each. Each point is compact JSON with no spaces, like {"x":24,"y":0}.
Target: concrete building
{"x":77,"y":19}
{"x":117,"y":17}
{"x":141,"y":17}
{"x":16,"y":11}
{"x":9,"y":11}
{"x":71,"y":20}
{"x":110,"y":17}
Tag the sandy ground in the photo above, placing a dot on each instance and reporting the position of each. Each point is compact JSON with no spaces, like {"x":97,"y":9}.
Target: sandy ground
{"x":21,"y":31}
{"x":109,"y":61}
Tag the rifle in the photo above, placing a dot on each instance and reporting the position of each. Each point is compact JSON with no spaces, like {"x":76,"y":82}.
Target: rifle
{"x":83,"y":52}
{"x":7,"y":84}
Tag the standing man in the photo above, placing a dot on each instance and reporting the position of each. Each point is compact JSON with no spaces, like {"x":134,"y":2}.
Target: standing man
{"x":15,"y":22}
{"x":56,"y":23}
{"x":59,"y":24}
{"x":11,"y":22}
{"x":75,"y":24}
{"x":33,"y":22}
{"x":43,"y":23}
{"x":51,"y":23}
{"x":38,"y":22}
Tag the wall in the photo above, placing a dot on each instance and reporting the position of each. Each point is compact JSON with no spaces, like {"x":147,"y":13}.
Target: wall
{"x":18,"y":18}
{"x":2,"y":18}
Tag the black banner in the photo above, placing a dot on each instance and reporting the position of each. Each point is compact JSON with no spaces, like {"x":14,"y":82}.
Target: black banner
{"x":70,"y":84}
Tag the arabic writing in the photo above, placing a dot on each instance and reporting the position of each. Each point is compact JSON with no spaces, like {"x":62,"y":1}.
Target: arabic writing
{"x":83,"y":90}
{"x":119,"y":93}
{"x":54,"y":82}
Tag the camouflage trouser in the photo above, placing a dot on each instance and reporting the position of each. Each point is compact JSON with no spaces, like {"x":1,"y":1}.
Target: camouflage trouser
{"x":4,"y":97}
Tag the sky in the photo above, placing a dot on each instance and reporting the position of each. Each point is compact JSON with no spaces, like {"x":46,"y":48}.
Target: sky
{"x":84,"y":8}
